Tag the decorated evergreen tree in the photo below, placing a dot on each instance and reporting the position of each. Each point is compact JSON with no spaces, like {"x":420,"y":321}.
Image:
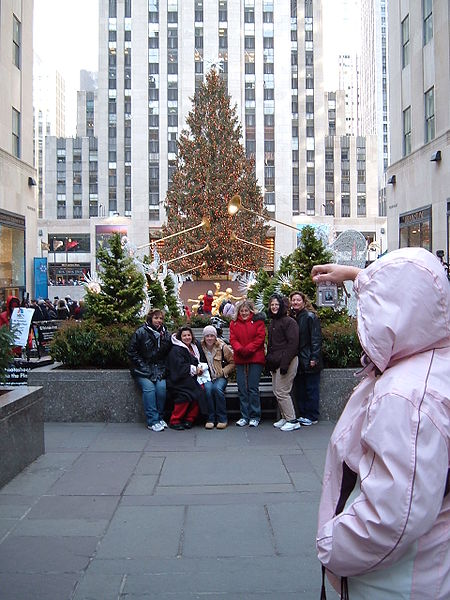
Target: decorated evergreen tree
{"x":155,"y":292}
{"x":294,"y":272}
{"x":211,"y":168}
{"x":174,"y":315}
{"x":122,"y":291}
{"x":310,"y":251}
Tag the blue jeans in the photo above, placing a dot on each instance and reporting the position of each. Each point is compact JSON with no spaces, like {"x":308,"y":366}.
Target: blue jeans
{"x":247,"y":377}
{"x":215,"y":396}
{"x":153,"y":398}
{"x":306,"y":393}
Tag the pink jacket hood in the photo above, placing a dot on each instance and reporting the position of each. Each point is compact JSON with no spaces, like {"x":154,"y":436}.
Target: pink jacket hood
{"x":403,"y":306}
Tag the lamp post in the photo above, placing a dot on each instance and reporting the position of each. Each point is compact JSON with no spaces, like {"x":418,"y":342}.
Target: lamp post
{"x":205,"y":223}
{"x":68,"y":240}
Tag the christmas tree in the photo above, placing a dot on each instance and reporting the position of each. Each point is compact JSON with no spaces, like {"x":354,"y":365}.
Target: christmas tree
{"x":174,"y":315}
{"x":211,"y":168}
{"x":310,"y":251}
{"x":122,"y":290}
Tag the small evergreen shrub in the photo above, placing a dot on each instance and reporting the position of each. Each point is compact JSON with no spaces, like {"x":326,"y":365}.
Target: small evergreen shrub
{"x":87,"y":344}
{"x":6,"y":343}
{"x":340,"y":346}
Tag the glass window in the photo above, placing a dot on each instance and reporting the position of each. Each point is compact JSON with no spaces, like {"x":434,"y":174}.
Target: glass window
{"x":429,"y":115}
{"x":427,"y":21}
{"x":415,"y":229}
{"x":16,"y":132}
{"x":407,"y":131}
{"x":405,"y":41}
{"x":17,"y":35}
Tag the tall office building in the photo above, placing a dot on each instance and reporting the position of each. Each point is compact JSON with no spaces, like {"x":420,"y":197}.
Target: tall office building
{"x":348,"y":82}
{"x":49,"y":114}
{"x":18,"y":205}
{"x":418,"y":197}
{"x":373,"y":94}
{"x":153,"y":55}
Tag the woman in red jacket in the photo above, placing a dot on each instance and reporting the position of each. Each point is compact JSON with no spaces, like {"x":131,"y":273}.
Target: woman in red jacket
{"x":247,"y":336}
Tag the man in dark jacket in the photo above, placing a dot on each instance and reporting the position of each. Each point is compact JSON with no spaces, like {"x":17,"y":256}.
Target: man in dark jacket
{"x":148,"y":350}
{"x":307,"y":381}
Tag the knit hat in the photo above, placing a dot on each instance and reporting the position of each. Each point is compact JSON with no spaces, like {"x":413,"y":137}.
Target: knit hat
{"x":209,"y":293}
{"x":210,"y":330}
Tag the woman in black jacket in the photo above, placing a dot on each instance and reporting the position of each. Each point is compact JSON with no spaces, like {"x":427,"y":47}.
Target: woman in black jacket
{"x":281,"y":359}
{"x":184,"y":367}
{"x":307,"y":381}
{"x":148,"y":350}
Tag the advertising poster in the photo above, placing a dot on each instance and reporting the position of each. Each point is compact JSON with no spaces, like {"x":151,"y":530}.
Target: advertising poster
{"x":20,"y":325}
{"x":40,"y":278}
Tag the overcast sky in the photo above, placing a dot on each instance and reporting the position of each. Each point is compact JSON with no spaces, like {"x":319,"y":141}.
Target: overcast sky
{"x":66,"y":37}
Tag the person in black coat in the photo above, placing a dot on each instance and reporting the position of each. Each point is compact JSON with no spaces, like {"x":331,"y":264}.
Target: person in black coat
{"x":149,"y":346}
{"x":184,"y":368}
{"x":307,"y":381}
{"x":282,"y":360}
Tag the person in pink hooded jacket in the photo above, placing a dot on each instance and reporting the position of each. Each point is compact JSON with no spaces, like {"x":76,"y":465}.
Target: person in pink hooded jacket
{"x":384,"y":515}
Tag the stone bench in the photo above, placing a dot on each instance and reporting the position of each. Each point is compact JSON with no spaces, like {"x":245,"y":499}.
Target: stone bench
{"x":21,"y":429}
{"x":112,"y":396}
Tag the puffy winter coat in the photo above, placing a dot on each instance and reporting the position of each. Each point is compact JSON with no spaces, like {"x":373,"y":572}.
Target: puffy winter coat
{"x":182,"y":376}
{"x":384,"y":517}
{"x":148,"y":352}
{"x":282,"y":342}
{"x":11,"y":303}
{"x":219,"y":350}
{"x":247,"y":339}
{"x":309,"y":341}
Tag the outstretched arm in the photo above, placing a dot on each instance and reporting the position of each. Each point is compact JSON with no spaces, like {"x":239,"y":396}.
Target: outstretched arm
{"x":334,"y":273}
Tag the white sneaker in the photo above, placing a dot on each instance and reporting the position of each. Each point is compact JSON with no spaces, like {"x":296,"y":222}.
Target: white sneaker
{"x":156,"y":427}
{"x":288,"y":426}
{"x":163,"y":423}
{"x":279,"y":424}
{"x":242,"y":422}
{"x":253,"y":423}
{"x":306,"y":422}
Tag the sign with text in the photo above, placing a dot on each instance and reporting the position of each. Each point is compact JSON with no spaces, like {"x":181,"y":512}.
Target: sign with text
{"x":20,"y":325}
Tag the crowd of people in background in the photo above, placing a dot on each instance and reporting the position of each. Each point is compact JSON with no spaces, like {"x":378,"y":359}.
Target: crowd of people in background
{"x":195,"y":373}
{"x":44,"y":309}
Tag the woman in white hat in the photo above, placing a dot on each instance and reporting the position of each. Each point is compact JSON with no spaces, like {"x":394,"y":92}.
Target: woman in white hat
{"x":219,"y":357}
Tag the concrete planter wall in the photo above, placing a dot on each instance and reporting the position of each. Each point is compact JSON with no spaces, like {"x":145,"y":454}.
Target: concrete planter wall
{"x":112,"y":395}
{"x":21,"y":429}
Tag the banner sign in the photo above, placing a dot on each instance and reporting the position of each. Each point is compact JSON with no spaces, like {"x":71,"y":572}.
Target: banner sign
{"x":20,"y":325}
{"x":17,"y":373}
{"x":45,"y":331}
{"x":40,"y":278}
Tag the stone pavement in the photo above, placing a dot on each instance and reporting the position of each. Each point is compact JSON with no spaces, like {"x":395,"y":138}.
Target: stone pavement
{"x":116,"y":512}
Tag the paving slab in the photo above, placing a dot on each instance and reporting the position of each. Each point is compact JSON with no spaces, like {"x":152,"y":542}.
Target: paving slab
{"x":115,"y":512}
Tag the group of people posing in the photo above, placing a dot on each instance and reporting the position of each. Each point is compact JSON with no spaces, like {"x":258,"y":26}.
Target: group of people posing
{"x":195,"y":373}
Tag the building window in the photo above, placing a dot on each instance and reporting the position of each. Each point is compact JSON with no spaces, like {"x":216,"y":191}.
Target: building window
{"x":429,"y":115}
{"x":427,"y":21}
{"x":405,"y":41}
{"x":415,"y":229}
{"x":16,"y":132}
{"x":17,"y":34}
{"x":407,"y":131}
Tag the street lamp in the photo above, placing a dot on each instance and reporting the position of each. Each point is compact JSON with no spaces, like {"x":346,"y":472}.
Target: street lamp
{"x":235,"y":205}
{"x":205,"y":223}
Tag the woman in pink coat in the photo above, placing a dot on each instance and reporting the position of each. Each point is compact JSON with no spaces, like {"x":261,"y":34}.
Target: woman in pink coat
{"x":384,"y":517}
